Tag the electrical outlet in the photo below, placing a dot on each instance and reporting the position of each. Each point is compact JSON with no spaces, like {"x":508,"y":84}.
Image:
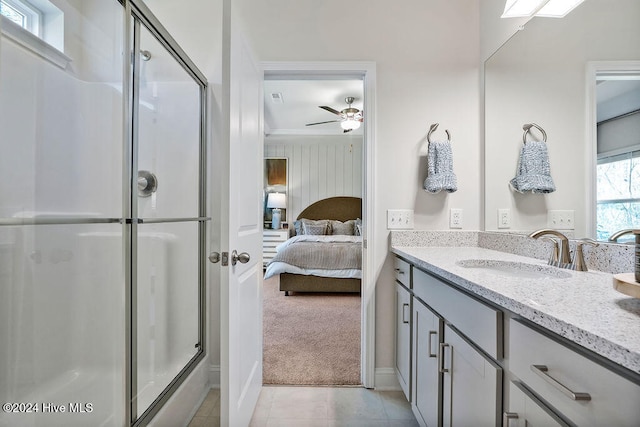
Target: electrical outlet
{"x":561,"y":220}
{"x":399,"y":219}
{"x":455,"y":218}
{"x":504,"y":218}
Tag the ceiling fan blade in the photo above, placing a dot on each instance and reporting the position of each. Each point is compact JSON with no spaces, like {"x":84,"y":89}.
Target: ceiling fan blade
{"x":329,"y":109}
{"x":321,"y":123}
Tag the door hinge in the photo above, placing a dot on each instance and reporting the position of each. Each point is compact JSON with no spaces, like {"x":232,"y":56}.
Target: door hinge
{"x":225,"y":258}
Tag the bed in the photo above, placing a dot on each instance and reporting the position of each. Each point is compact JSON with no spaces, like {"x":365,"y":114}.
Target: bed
{"x":294,"y":260}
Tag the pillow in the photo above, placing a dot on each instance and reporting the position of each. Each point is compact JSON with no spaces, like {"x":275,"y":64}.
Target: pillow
{"x":348,"y":227}
{"x":298,"y":225}
{"x":358,"y":227}
{"x":315,"y":229}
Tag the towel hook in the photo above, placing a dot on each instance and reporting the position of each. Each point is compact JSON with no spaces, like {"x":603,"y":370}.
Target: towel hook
{"x":527,"y":129}
{"x":433,"y":128}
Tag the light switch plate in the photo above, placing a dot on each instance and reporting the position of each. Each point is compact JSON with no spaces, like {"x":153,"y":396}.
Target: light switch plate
{"x":400,"y":219}
{"x":561,"y":220}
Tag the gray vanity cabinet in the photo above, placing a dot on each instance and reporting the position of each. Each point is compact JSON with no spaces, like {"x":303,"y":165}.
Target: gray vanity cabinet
{"x":525,"y":410}
{"x":583,"y":392}
{"x":403,"y":338}
{"x":471,"y":335}
{"x":426,"y":379}
{"x":472,"y":384}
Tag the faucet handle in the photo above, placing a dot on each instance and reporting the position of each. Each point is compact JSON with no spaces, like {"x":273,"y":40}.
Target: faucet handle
{"x":554,"y":259}
{"x":578,"y":263}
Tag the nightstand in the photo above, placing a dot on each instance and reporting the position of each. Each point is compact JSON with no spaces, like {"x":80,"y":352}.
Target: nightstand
{"x":271,"y":239}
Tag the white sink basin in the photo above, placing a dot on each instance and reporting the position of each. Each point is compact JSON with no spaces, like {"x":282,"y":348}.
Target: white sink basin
{"x":515,"y":269}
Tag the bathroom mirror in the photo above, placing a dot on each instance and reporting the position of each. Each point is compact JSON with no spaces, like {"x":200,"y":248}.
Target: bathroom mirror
{"x":545,"y":74}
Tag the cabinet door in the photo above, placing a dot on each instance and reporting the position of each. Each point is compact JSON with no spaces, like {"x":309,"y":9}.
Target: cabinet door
{"x":426,"y":379}
{"x":526,"y":410}
{"x":403,"y":338}
{"x":471,"y":384}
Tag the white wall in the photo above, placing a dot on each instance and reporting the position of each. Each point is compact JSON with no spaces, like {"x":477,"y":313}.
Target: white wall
{"x":319,"y":167}
{"x":427,"y":57}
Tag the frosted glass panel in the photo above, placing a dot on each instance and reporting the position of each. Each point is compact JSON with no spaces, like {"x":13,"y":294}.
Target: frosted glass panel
{"x":169,"y":133}
{"x":62,"y":322}
{"x":167,"y":308}
{"x":61,"y":140}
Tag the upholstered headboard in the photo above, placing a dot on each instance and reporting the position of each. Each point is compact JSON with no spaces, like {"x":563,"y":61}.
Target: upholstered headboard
{"x":340,"y":208}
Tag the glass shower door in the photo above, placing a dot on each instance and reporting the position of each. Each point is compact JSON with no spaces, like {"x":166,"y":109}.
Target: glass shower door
{"x":170,"y":220}
{"x":61,"y":234}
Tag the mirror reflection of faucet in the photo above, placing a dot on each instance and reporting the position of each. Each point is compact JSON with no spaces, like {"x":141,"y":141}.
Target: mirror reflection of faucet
{"x":560,"y":256}
{"x":618,"y":234}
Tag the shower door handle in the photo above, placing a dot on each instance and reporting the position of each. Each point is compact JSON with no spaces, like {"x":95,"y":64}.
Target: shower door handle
{"x":214,"y":257}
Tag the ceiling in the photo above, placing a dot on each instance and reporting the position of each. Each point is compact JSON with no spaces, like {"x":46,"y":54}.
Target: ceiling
{"x":299,"y":106}
{"x":617,"y":96}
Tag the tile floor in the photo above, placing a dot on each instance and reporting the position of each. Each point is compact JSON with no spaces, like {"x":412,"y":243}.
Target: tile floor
{"x":280,"y":406}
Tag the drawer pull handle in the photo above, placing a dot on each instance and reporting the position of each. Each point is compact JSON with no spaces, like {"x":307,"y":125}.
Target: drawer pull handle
{"x":405,"y":305}
{"x":507,"y":416}
{"x":442,"y":369}
{"x":541,"y":370}
{"x":431,"y":334}
{"x":399,"y":271}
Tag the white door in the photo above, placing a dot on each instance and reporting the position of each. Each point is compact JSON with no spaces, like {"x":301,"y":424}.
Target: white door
{"x":241,"y":282}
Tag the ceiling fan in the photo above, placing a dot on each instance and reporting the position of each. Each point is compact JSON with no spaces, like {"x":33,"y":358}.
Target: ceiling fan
{"x":350,"y":118}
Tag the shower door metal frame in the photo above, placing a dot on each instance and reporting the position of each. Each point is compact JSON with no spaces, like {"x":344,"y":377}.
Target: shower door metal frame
{"x":137,"y":14}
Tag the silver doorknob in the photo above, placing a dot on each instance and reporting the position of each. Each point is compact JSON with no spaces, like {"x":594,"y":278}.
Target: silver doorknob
{"x":214,"y":257}
{"x":243,"y":257}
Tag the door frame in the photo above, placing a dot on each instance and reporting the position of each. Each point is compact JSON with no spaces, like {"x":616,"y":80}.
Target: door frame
{"x":594,"y":68}
{"x":367,"y":72}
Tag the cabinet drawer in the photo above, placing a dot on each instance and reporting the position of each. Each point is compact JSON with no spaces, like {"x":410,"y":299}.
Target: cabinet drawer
{"x":547,"y":366}
{"x":402,"y":272}
{"x":481,"y":323}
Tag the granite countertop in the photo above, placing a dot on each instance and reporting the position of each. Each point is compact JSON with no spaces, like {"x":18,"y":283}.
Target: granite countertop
{"x":583,"y":308}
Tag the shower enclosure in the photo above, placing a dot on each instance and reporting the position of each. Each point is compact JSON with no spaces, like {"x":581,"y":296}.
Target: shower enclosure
{"x":102,"y":216}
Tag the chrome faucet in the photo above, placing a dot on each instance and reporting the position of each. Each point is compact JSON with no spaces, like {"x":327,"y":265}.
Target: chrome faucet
{"x":562,"y":258}
{"x":615,"y":236}
{"x":578,"y":263}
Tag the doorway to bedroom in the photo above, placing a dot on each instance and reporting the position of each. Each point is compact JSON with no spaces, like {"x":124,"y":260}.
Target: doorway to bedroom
{"x":313,"y":192}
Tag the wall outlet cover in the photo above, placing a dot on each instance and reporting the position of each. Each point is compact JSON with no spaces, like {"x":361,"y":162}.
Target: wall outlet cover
{"x":504,"y":218}
{"x":455,"y":218}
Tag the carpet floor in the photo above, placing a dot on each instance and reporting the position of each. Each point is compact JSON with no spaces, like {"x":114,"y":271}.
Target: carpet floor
{"x":310,"y":338}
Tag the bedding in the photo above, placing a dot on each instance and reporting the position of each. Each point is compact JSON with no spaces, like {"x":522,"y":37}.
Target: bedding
{"x":339,"y":218}
{"x":318,"y":255}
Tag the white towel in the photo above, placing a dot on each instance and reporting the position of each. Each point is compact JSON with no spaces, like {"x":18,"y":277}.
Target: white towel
{"x":534,"y":172}
{"x":440,"y":174}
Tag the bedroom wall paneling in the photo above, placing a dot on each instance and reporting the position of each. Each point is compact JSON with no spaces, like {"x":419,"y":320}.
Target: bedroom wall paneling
{"x":319,"y":167}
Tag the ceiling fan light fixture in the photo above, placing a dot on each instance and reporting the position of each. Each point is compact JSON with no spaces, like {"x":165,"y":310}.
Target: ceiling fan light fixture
{"x":350,"y":124}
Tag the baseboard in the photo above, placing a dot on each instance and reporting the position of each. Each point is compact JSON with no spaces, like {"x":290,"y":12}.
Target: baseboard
{"x":214,"y":376}
{"x":386,"y":379}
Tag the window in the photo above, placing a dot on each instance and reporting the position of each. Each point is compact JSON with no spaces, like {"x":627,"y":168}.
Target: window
{"x":618,"y":193}
{"x":36,"y":25}
{"x":23,"y":14}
